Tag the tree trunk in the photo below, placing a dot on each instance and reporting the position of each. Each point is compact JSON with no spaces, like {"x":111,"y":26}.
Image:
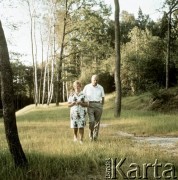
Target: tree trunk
{"x":63,"y":90}
{"x":67,"y":91}
{"x":59,"y":69}
{"x":7,"y":95}
{"x":42,"y":67}
{"x":117,"y":61}
{"x":44,"y":83}
{"x":46,"y":68}
{"x":50,"y":93}
{"x":168,"y":50}
{"x":172,"y":8}
{"x":33,"y":39}
{"x":35,"y":66}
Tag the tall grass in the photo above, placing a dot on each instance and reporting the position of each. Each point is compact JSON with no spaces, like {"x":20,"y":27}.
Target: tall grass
{"x":48,"y":143}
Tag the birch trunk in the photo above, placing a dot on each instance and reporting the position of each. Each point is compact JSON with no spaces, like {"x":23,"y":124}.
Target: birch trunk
{"x":42,"y":64}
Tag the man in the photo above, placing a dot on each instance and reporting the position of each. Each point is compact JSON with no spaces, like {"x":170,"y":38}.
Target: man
{"x":95,"y":95}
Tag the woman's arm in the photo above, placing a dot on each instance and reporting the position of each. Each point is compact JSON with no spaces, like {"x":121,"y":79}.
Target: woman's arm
{"x":70,"y":104}
{"x":83,"y":104}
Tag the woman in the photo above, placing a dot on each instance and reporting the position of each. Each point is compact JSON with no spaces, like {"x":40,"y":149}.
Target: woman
{"x":77,"y":102}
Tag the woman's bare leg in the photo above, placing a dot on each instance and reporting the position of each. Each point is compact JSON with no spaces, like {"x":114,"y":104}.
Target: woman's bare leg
{"x":75,"y":134}
{"x":81,"y":132}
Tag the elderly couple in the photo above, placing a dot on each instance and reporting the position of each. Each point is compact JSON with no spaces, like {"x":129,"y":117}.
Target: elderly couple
{"x":91,"y":97}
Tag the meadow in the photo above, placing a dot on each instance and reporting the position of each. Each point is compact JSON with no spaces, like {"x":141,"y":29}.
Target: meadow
{"x":48,"y":143}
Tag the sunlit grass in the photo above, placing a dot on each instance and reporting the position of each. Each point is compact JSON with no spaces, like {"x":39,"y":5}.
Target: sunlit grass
{"x":48,"y":143}
{"x":149,"y":123}
{"x":52,"y":154}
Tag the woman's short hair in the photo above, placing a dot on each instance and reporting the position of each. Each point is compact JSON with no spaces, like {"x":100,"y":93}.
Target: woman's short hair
{"x":77,"y":82}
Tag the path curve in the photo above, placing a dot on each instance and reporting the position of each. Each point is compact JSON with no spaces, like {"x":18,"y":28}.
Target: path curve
{"x":167,"y":144}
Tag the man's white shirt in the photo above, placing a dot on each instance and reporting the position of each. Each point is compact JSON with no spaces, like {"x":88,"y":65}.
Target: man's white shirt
{"x":94,"y":93}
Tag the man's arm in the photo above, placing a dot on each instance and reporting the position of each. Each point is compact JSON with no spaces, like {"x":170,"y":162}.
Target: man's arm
{"x":84,"y":90}
{"x":103,"y":95}
{"x":102,"y":100}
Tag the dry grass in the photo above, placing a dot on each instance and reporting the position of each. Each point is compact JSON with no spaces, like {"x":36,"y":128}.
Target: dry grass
{"x":47,"y":141}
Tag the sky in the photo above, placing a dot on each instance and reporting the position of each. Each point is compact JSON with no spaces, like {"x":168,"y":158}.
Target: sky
{"x":19,"y":40}
{"x":132,"y":6}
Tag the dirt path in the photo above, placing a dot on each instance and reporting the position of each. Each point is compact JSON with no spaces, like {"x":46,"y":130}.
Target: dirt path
{"x":167,"y":144}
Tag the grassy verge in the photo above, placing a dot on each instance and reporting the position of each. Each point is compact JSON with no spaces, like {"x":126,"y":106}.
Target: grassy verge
{"x":136,"y":119}
{"x":47,"y":142}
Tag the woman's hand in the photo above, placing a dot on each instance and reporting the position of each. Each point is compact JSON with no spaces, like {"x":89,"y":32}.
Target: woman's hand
{"x":71,"y":104}
{"x":74,"y":103}
{"x":83,"y":104}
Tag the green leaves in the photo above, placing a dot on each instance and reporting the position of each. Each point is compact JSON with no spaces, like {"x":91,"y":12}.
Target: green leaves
{"x":87,"y":37}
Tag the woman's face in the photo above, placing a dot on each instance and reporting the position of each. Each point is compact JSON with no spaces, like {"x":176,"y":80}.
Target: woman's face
{"x":77,"y":87}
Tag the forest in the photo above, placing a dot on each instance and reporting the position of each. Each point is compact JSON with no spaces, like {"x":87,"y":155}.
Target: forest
{"x":77,"y":40}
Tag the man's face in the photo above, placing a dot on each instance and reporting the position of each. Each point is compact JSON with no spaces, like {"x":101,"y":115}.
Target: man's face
{"x":94,"y":81}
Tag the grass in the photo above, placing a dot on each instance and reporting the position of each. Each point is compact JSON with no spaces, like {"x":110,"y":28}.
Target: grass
{"x":138,"y":120}
{"x":47,"y":141}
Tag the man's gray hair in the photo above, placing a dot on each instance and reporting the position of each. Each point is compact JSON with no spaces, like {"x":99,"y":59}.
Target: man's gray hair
{"x":95,"y":76}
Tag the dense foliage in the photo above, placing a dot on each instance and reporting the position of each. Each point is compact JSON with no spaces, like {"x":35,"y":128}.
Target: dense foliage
{"x":88,"y":48}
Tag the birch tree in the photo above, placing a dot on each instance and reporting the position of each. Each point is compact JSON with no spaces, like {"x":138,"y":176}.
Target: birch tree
{"x":32,"y":14}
